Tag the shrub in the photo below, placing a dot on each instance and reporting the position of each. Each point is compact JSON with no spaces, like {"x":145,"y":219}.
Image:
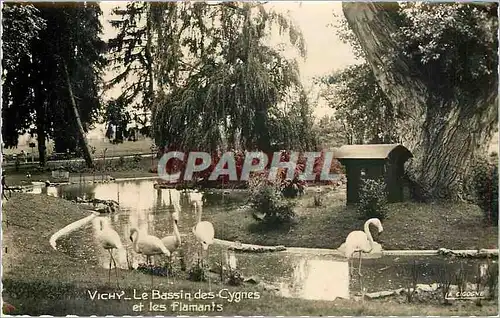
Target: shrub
{"x":485,"y":184}
{"x":266,"y":199}
{"x":373,"y":199}
{"x":137,"y":158}
{"x":292,"y":188}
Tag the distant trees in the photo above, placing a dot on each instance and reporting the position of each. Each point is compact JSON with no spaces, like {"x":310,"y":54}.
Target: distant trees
{"x":363,"y":113}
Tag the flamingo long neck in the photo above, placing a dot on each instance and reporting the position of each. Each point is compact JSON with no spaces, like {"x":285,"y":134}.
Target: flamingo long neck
{"x":198,"y":211}
{"x":136,"y":248}
{"x":368,"y":233}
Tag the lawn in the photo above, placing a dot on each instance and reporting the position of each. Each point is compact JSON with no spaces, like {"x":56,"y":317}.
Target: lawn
{"x":141,"y":146}
{"x":408,"y":226}
{"x":38,"y":280}
{"x":116,"y":169}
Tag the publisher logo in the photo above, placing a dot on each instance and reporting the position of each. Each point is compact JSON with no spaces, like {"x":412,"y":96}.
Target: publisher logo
{"x":466,"y":295}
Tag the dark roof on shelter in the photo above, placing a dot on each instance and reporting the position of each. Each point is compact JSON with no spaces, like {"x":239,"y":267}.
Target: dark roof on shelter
{"x":372,"y":151}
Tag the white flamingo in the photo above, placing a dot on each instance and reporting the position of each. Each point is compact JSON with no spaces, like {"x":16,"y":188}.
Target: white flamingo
{"x":204,"y":233}
{"x":148,"y":245}
{"x":172,"y":242}
{"x":361,"y":242}
{"x":109,"y":239}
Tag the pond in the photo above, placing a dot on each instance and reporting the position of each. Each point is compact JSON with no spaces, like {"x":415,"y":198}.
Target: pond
{"x":307,"y":276}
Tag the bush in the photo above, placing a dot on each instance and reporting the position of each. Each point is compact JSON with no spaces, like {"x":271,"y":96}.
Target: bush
{"x":267,"y":200}
{"x":292,"y":188}
{"x":485,"y":184}
{"x":373,"y":199}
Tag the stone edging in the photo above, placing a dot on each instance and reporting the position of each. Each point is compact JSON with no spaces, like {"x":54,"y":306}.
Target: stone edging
{"x":251,"y":248}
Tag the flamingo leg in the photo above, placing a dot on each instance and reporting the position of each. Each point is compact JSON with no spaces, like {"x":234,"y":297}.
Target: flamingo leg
{"x":109,"y":270}
{"x":152,"y":275}
{"x":116,"y":268}
{"x":350,"y":265}
{"x":209,"y":286}
{"x":359,"y":268}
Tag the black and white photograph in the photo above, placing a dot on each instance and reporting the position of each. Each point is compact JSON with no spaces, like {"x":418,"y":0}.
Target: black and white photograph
{"x":273,"y":158}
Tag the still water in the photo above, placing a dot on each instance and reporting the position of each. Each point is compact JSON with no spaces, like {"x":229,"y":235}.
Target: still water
{"x":300,"y":276}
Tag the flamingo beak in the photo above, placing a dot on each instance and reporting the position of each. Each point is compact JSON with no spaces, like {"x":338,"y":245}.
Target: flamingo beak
{"x":131,"y":239}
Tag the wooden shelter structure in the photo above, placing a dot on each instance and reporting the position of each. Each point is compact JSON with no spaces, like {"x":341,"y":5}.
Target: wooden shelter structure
{"x":374,"y":161}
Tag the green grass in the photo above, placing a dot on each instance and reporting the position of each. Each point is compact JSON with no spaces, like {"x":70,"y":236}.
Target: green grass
{"x":407,"y":226}
{"x":129,"y":169}
{"x":38,"y":280}
{"x":123,"y":149}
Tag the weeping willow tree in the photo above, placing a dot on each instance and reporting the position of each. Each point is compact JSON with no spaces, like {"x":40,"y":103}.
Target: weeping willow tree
{"x":437,"y":64}
{"x":221,"y":84}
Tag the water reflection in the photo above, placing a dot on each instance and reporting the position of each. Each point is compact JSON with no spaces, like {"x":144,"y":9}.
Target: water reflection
{"x":298,"y":276}
{"x":147,"y":209}
{"x":318,"y":279}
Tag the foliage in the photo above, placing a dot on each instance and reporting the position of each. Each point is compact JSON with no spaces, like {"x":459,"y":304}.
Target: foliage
{"x":153,"y":270}
{"x":373,"y":199}
{"x":116,"y":116}
{"x":235,"y":278}
{"x":485,"y":184}
{"x":266,"y":199}
{"x":330,"y":131}
{"x":458,"y":39}
{"x":292,"y":188}
{"x":35,"y":93}
{"x":363,"y":112}
{"x":492,"y":280}
{"x":437,"y":63}
{"x":224,"y":87}
{"x":21,"y":24}
{"x":197,"y":273}
{"x":131,"y":57}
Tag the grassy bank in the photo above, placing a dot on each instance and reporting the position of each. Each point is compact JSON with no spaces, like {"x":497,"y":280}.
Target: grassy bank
{"x":122,"y":149}
{"x":407,"y":226}
{"x":38,"y":280}
{"x":128,"y":168}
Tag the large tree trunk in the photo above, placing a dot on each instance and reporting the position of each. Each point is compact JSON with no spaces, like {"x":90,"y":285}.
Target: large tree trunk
{"x":41,"y":138}
{"x":149,"y":60}
{"x":81,"y":133}
{"x":444,"y":136}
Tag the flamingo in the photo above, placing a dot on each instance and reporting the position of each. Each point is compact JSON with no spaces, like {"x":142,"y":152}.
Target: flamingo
{"x":148,"y":245}
{"x":361,"y":242}
{"x":70,"y":228}
{"x":203,"y":231}
{"x":173,"y":242}
{"x":109,"y":239}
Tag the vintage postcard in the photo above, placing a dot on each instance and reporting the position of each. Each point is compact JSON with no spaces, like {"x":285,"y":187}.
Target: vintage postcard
{"x":249,"y":158}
